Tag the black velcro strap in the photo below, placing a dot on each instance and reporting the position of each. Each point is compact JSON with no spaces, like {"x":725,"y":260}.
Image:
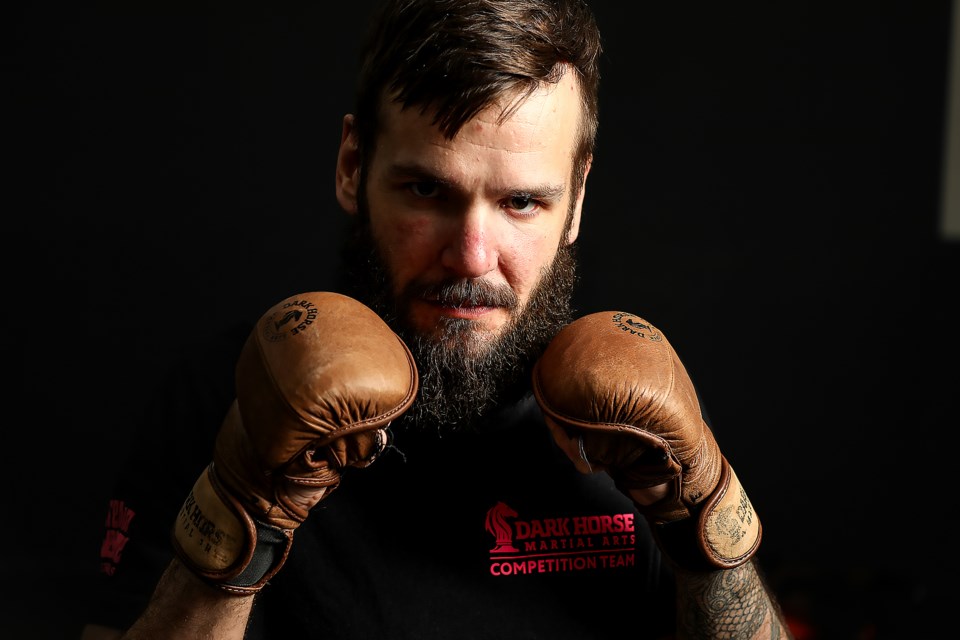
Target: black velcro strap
{"x":269,"y":552}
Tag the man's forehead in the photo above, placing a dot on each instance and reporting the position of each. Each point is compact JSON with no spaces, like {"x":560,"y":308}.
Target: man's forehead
{"x":550,"y":113}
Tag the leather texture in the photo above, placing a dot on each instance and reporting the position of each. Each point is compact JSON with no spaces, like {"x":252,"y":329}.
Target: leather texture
{"x":318,"y":380}
{"x":612,"y":381}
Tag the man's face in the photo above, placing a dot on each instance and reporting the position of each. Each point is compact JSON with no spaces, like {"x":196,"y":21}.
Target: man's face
{"x":467,"y":233}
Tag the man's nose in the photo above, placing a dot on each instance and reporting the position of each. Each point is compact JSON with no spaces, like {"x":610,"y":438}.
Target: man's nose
{"x":471,"y":246}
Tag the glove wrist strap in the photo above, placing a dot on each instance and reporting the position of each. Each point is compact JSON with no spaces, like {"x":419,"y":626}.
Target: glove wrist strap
{"x":219,"y":541}
{"x":268,"y":555}
{"x":723,"y":531}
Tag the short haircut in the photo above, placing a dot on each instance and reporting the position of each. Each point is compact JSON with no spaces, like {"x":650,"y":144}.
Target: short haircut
{"x":457,"y":57}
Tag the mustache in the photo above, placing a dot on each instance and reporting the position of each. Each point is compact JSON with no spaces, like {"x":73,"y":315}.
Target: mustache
{"x":464,"y":292}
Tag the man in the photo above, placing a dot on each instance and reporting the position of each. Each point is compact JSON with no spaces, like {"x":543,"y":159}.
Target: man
{"x":395,"y":474}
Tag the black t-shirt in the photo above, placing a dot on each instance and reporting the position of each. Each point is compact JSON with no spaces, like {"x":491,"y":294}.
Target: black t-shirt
{"x":470,"y":535}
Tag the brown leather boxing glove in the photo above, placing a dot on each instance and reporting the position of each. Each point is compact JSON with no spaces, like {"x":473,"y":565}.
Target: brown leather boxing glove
{"x":611,"y":383}
{"x":319,"y":379}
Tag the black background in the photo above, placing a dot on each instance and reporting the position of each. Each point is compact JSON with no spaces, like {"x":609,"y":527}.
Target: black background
{"x":765,"y":190}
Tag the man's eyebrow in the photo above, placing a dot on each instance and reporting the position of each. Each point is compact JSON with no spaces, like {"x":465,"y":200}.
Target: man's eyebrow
{"x":417,"y":171}
{"x":542,"y":192}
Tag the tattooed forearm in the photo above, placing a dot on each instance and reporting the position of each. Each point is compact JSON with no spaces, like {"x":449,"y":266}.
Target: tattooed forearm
{"x":732,"y":604}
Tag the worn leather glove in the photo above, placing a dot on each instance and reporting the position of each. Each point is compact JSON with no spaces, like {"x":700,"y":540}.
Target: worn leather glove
{"x":318,"y":382}
{"x":618,"y":399}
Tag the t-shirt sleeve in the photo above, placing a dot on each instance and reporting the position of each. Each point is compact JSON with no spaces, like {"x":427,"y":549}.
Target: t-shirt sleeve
{"x":173,"y":444}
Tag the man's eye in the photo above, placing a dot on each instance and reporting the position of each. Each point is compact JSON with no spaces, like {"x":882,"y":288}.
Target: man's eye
{"x":425,"y":189}
{"x":522,"y":204}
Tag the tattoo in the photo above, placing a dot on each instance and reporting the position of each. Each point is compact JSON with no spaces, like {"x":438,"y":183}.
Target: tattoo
{"x":732,"y":604}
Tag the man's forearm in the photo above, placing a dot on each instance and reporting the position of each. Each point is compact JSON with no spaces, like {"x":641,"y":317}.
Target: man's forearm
{"x":732,"y":603}
{"x":185,"y":607}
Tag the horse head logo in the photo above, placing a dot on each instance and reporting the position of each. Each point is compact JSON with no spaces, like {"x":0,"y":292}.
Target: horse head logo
{"x":293,"y":315}
{"x":496,"y":524}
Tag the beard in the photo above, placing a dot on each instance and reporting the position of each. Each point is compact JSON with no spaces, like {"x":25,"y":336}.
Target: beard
{"x":464,"y":373}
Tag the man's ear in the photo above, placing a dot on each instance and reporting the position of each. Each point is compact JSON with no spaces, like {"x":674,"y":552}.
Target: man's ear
{"x":574,"y":229}
{"x":348,"y":166}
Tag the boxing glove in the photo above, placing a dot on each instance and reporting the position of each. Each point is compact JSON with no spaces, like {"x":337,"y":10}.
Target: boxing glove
{"x":618,"y":399}
{"x":318,"y":381}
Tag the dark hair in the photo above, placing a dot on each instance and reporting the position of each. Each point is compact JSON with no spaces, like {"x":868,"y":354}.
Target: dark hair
{"x":459,"y":56}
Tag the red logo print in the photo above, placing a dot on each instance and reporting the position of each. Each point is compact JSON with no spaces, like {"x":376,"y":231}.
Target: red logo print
{"x":550,"y":545}
{"x":116,"y":536}
{"x":497,"y":526}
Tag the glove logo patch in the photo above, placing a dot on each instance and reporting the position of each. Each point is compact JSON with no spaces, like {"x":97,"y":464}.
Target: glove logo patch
{"x":637,"y":326}
{"x":559,"y":544}
{"x":289,"y":320}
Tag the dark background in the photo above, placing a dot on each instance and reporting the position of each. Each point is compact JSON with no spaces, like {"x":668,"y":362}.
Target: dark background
{"x":766,"y":190}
